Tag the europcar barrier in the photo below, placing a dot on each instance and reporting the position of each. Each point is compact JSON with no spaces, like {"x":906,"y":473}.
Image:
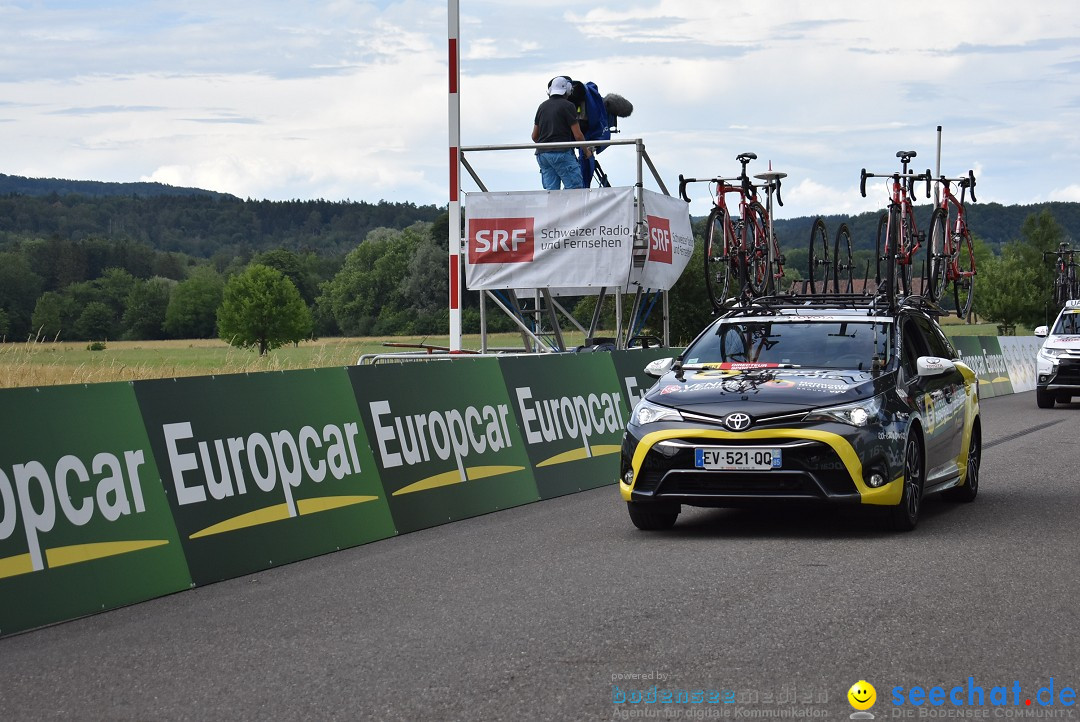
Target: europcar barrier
{"x":111,"y":494}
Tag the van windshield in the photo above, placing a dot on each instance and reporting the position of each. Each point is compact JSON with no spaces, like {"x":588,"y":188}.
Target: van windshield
{"x":1068,"y":323}
{"x":849,"y":345}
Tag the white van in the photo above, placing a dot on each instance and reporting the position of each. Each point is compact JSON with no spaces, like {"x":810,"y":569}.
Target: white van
{"x":1058,"y":362}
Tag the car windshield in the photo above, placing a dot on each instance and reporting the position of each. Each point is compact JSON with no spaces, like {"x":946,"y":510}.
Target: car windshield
{"x":817,"y":344}
{"x":1068,"y":323}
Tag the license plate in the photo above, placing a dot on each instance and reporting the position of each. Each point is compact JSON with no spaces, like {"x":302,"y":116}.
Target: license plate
{"x":737,"y":458}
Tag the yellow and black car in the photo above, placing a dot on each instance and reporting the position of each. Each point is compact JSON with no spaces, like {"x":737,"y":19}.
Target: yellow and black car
{"x":787,"y":399}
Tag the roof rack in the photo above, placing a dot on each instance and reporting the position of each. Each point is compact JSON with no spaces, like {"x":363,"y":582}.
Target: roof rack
{"x":875,"y":305}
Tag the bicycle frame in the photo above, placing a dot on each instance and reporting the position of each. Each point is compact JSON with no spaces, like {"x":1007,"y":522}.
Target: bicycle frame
{"x":902,"y":237}
{"x":959,"y":232}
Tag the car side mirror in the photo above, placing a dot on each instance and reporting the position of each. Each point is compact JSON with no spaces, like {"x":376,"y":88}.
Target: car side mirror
{"x":1042,"y":331}
{"x":659,"y":367}
{"x":933,"y":365}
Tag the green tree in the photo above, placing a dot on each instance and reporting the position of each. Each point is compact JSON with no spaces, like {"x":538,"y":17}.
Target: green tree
{"x":95,"y":322}
{"x":193,"y":305}
{"x":53,"y":313}
{"x":1007,"y":291}
{"x":262,"y":308}
{"x":369,"y":295}
{"x":19,"y":290}
{"x":144,"y":311}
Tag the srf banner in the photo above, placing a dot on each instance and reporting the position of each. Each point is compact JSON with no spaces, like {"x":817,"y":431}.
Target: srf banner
{"x":445,"y":439}
{"x":264,"y":469}
{"x":671,"y":242}
{"x":84,"y":524}
{"x":541,"y":239}
{"x":572,"y":417}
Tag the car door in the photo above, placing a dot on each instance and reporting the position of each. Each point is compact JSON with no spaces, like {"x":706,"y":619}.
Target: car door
{"x":951,"y":403}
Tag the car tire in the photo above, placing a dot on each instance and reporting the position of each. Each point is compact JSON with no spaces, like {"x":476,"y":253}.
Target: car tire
{"x":970,"y":489}
{"x":1044,"y":399}
{"x":905,"y":515}
{"x":653,"y":517}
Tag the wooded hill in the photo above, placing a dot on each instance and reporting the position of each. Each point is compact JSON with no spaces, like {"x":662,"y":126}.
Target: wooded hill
{"x":191,"y":221}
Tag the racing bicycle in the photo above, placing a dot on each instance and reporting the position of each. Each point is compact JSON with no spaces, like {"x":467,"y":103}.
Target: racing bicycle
{"x":898,"y":238}
{"x":742,"y":258}
{"x":1065,"y":282}
{"x":951,"y":256}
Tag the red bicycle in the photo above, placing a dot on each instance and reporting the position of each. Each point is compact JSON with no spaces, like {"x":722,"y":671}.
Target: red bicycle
{"x":742,"y":257}
{"x":951,"y":255}
{"x":898,"y":237}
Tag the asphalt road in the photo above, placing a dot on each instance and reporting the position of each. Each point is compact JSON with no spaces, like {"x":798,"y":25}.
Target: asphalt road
{"x":555,"y":609}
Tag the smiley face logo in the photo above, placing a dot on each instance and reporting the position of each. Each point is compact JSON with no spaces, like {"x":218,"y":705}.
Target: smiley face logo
{"x":862,"y":695}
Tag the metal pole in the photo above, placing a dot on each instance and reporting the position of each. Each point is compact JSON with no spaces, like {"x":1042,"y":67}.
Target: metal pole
{"x":454,"y":266}
{"x":937,"y":172}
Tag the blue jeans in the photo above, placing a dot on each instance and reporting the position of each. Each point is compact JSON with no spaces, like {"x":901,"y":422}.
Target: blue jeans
{"x":559,"y":166}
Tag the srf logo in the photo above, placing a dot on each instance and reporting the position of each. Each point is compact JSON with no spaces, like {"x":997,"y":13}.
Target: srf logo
{"x":501,"y":240}
{"x":659,"y":239}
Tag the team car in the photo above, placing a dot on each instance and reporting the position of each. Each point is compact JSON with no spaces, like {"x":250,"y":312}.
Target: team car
{"x":792,"y":400}
{"x":1057,"y":365}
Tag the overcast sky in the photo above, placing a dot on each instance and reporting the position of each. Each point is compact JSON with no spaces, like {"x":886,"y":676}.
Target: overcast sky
{"x":340,"y":99}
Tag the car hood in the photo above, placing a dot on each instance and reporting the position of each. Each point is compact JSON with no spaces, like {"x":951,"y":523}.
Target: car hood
{"x":1061,"y":341}
{"x":723,"y":389}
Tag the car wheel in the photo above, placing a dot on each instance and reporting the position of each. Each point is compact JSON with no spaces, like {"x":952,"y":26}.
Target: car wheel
{"x":1044,"y":399}
{"x":905,"y":515}
{"x":970,"y":489}
{"x":653,"y":517}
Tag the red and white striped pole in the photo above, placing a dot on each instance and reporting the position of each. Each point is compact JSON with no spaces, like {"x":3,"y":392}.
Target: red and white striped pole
{"x":455,"y":179}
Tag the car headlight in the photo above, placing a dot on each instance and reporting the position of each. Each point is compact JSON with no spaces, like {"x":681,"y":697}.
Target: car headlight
{"x":1051,"y":354}
{"x":649,"y":413}
{"x":857,"y":414}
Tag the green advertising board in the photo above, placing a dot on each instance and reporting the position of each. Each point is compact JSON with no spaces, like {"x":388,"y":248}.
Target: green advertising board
{"x":84,"y":523}
{"x":572,"y":417}
{"x":445,"y":439}
{"x":630,"y":368}
{"x":983,"y":355}
{"x":263,"y":469}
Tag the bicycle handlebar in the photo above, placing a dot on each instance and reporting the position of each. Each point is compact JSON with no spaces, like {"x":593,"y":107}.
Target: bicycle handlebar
{"x":910,"y":177}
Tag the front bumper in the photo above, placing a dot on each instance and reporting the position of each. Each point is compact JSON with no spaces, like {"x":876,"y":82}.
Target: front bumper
{"x":1062,"y":376}
{"x":818,"y":465}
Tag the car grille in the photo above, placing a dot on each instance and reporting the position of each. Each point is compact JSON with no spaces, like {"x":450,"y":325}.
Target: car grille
{"x":1068,"y":372}
{"x":811,"y":469}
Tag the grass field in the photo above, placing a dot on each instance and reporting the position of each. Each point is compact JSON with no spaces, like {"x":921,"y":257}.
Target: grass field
{"x":56,"y":363}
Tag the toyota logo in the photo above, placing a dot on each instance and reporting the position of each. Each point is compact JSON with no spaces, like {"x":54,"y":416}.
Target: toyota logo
{"x":737,"y":421}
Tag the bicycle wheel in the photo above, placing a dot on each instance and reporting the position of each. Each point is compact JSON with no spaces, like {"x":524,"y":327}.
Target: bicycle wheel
{"x":937,"y":255}
{"x":843,"y":267}
{"x":879,"y":250}
{"x":760,"y":257}
{"x":721,"y":266}
{"x":964,"y":285}
{"x":818,"y":258}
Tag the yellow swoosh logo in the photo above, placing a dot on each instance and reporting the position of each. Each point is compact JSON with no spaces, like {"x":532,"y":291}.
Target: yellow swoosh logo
{"x":453,"y":477}
{"x":579,"y":454}
{"x":280,"y":512}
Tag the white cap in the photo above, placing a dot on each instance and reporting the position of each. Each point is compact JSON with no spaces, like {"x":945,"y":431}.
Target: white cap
{"x":559,"y":85}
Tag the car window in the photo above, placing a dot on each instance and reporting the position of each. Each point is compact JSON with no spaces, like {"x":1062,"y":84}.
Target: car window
{"x":817,"y":344}
{"x":1068,"y":323}
{"x":912,"y":346}
{"x":935,"y":339}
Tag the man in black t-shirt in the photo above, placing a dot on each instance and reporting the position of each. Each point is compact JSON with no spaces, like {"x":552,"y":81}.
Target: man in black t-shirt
{"x":556,"y":122}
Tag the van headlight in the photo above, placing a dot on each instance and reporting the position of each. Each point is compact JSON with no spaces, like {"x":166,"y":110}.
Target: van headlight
{"x":861,"y":413}
{"x":649,"y":413}
{"x":1051,"y":354}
